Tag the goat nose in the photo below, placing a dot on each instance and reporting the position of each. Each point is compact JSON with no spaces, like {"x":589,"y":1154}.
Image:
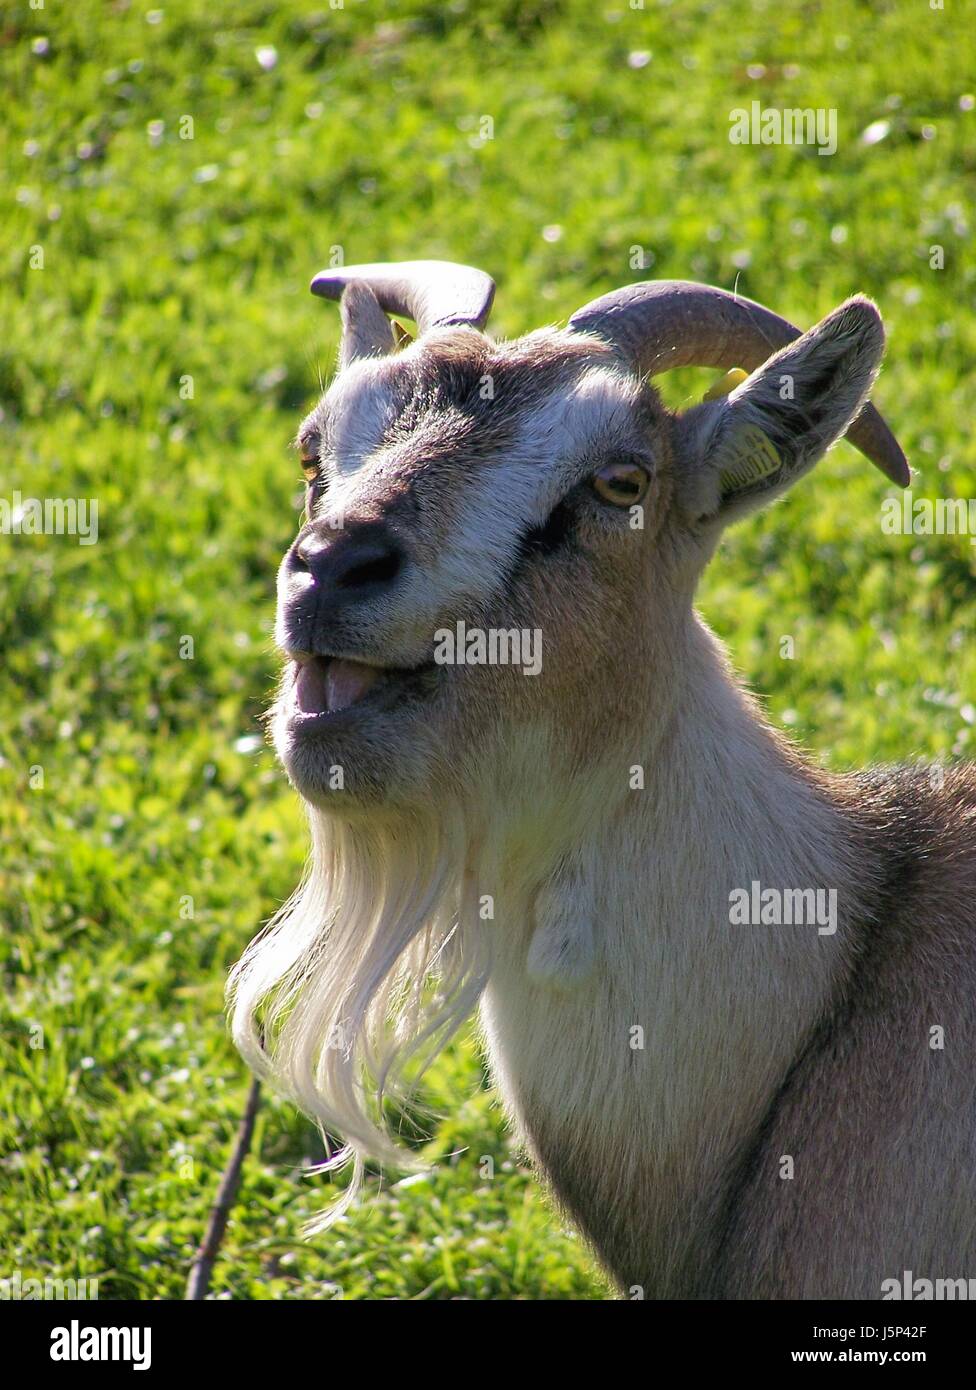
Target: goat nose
{"x":357,"y":564}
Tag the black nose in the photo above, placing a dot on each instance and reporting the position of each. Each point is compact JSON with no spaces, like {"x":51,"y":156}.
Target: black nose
{"x":358,"y":563}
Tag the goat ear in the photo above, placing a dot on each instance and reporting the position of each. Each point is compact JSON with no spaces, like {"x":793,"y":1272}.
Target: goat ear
{"x":736,"y":454}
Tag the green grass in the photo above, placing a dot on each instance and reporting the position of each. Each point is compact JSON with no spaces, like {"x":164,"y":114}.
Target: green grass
{"x":166,"y":258}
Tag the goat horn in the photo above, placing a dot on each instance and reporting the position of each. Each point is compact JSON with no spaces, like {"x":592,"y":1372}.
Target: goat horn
{"x":661,"y":324}
{"x":432,"y":293}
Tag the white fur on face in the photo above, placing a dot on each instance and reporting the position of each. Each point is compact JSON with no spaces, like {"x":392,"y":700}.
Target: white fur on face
{"x":554,"y":446}
{"x":360,"y":411}
{"x":493,"y":504}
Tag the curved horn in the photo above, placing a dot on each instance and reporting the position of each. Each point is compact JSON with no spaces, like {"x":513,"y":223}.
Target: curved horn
{"x":432,"y":293}
{"x":661,"y":324}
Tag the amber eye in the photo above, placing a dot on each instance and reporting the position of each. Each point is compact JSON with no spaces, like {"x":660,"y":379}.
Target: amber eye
{"x":621,"y":484}
{"x":309,"y":459}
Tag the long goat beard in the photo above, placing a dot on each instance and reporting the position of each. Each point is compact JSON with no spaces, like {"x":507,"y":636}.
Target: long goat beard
{"x":358,"y":982}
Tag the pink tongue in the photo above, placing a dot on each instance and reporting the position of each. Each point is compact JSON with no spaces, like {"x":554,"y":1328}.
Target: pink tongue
{"x":346,"y":682}
{"x":332,"y":685}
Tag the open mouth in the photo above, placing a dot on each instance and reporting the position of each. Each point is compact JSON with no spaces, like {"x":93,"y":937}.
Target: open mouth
{"x":330,"y":685}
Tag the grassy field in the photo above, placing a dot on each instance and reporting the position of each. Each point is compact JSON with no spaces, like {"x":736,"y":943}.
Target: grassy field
{"x":169,"y":180}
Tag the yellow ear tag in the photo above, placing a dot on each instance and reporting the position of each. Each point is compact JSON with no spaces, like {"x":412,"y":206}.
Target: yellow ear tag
{"x":401,"y":337}
{"x":753,"y":458}
{"x":726,"y":384}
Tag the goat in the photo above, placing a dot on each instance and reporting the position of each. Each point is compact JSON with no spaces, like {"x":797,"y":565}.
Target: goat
{"x":726,"y":1108}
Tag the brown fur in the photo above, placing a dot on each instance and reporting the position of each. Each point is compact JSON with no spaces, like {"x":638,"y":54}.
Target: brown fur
{"x":881,"y":1126}
{"x":906,"y":1111}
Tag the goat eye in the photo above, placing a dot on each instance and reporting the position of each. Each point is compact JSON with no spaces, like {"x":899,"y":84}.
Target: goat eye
{"x":621,"y":484}
{"x":308,"y":445}
{"x":310,"y":462}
